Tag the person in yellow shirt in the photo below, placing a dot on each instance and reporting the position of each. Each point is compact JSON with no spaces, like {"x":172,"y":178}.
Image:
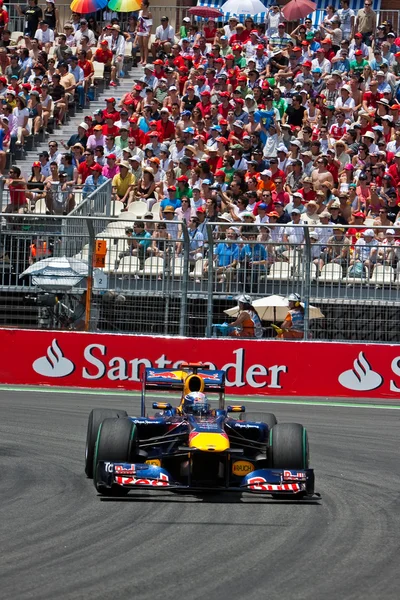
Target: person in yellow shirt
{"x":123,"y":183}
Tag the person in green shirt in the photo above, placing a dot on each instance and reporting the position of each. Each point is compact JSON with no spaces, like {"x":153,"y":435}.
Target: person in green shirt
{"x":240,"y":60}
{"x":279,"y":103}
{"x":183,"y":188}
{"x":184,"y":28}
{"x":122,"y":139}
{"x":357,"y":65}
{"x":228,"y":169}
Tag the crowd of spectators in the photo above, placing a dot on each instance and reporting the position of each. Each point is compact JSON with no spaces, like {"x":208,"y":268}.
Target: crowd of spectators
{"x":241,"y":123}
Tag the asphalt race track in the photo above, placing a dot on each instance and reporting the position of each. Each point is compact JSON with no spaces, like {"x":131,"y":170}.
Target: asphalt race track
{"x":59,"y":540}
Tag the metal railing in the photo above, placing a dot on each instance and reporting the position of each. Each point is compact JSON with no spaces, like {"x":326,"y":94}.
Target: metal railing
{"x":174,"y":13}
{"x":171,"y":284}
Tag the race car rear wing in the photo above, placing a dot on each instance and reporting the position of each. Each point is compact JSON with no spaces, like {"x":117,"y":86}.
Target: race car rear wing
{"x":188,"y":378}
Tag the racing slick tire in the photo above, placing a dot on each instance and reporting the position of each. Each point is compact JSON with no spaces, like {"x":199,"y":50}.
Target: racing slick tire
{"x":116,"y":442}
{"x":288,"y":450}
{"x":97,"y":416}
{"x":288,"y":446}
{"x":267,"y":418}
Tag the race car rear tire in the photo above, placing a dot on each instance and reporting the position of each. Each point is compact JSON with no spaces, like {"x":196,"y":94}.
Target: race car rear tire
{"x":267,"y":418}
{"x":97,"y":416}
{"x":288,"y":446}
{"x":116,"y":442}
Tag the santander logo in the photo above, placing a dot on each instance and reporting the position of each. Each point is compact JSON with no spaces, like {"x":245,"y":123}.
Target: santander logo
{"x":54,"y":364}
{"x":361,"y":378}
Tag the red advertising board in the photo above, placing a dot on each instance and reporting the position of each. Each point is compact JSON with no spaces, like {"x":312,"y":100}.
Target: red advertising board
{"x":272,"y":368}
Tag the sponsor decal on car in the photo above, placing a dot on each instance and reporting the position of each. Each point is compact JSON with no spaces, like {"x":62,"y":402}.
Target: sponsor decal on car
{"x":294,"y":475}
{"x":261,"y":484}
{"x":161,"y":482}
{"x":242,"y":467}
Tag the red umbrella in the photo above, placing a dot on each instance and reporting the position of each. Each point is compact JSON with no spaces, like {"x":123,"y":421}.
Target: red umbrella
{"x":206,"y":12}
{"x":298,"y":9}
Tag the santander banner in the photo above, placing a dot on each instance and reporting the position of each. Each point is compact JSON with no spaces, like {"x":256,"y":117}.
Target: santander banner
{"x":270,"y":368}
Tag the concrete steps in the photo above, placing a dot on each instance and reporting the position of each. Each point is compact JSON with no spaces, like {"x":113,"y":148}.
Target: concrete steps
{"x":70,"y":128}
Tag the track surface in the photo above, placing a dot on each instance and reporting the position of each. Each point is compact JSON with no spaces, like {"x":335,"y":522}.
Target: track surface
{"x":58,"y":539}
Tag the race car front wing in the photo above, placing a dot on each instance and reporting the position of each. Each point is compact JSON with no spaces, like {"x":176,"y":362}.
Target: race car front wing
{"x":284,"y":482}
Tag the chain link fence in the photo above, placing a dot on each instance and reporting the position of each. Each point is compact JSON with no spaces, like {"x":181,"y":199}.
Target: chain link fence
{"x":160,"y":277}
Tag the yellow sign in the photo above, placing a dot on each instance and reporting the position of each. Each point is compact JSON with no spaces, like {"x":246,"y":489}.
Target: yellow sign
{"x":242,"y":467}
{"x":154,"y":461}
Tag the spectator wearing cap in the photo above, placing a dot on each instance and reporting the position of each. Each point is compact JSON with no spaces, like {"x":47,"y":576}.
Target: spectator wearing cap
{"x":45,"y":35}
{"x":97,"y":138}
{"x":94,"y":180}
{"x":84,"y":31}
{"x":280,"y":40}
{"x":164,"y":38}
{"x":165,"y":126}
{"x":388,"y":250}
{"x":121,"y":140}
{"x":366,"y":251}
{"x":293,"y":236}
{"x":123,"y":184}
{"x":78,"y":138}
{"x":170,"y":200}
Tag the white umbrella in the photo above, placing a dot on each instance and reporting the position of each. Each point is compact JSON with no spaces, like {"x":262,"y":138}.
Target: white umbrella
{"x":57,"y":272}
{"x":274,"y":308}
{"x":243,"y":7}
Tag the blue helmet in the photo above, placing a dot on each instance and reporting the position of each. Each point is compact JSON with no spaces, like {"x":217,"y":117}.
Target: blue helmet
{"x":196,"y":403}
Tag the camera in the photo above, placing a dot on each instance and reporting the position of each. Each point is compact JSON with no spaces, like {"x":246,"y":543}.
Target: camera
{"x":48,"y":300}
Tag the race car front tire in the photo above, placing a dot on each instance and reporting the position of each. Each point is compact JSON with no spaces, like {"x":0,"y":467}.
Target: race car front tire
{"x":288,"y":446}
{"x":96,"y":417}
{"x":116,"y":442}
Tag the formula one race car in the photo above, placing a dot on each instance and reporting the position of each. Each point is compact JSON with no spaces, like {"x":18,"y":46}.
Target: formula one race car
{"x":196,"y":447}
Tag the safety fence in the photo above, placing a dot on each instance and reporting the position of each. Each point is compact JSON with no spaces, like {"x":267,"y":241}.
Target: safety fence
{"x":162,"y":277}
{"x":175,"y":15}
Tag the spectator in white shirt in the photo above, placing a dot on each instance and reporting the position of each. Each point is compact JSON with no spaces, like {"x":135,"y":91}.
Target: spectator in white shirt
{"x":165,"y":35}
{"x":84,"y":30}
{"x":45,"y":36}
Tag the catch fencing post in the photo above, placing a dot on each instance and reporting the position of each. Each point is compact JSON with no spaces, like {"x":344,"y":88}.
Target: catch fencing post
{"x":210,"y":282}
{"x":89,"y":287}
{"x":185,"y":279}
{"x":307,"y":281}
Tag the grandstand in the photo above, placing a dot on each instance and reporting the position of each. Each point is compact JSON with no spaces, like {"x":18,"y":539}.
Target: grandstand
{"x":236,"y":181}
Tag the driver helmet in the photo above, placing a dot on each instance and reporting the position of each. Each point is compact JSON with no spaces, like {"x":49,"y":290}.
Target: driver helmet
{"x":196,"y":403}
{"x":294,"y":298}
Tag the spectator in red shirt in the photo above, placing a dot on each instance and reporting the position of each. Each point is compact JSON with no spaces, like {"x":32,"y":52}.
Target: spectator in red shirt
{"x":240,"y":37}
{"x":370,"y":98}
{"x":103,"y":54}
{"x":279,"y":194}
{"x":165,"y":126}
{"x":84,"y":167}
{"x":110,"y":109}
{"x":307,"y":191}
{"x":276,"y":172}
{"x":109,"y":128}
{"x":394,"y":170}
{"x":204,"y":105}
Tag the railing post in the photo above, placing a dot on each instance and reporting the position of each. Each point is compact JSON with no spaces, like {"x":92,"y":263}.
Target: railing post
{"x":307,"y":281}
{"x":185,"y":279}
{"x":89,"y":288}
{"x":210,"y":282}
